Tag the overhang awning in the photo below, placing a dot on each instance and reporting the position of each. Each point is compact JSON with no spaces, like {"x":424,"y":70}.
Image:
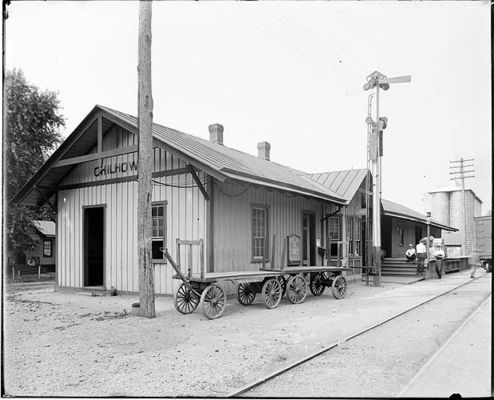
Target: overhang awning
{"x":392,"y":209}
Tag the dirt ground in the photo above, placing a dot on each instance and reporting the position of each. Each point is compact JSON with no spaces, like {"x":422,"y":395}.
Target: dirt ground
{"x":74,"y":344}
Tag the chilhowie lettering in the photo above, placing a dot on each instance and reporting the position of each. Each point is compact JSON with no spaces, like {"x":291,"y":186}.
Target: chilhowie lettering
{"x":110,"y":169}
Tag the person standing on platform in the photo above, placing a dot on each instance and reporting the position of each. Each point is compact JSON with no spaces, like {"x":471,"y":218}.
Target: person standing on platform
{"x":438,"y":255}
{"x":410,"y":254}
{"x":475,"y":262}
{"x":421,"y":256}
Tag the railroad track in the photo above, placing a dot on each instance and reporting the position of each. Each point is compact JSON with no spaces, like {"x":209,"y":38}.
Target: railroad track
{"x":334,"y":345}
{"x":443,"y":346}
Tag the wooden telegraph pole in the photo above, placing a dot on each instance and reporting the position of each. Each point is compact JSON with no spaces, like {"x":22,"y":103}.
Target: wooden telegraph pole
{"x":145,"y":153}
{"x":458,"y":171}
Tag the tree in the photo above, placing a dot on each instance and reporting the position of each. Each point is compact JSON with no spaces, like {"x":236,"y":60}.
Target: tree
{"x":33,"y":121}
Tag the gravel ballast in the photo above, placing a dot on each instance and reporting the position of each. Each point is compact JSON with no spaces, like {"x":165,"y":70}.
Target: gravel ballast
{"x":73,"y":344}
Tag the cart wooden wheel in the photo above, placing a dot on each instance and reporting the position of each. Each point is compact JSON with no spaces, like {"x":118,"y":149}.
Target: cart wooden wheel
{"x":296,"y":289}
{"x":316,"y":284}
{"x":213,"y":301}
{"x":185,"y":300}
{"x":339,"y":287}
{"x":282,"y":281}
{"x":245,"y":294}
{"x":272,"y":292}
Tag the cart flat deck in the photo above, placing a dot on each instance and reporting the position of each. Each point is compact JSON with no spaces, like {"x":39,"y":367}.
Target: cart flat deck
{"x":260,"y":274}
{"x":305,"y":269}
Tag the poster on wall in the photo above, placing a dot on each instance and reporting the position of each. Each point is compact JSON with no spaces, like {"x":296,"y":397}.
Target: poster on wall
{"x":453,"y":251}
{"x":293,"y":250}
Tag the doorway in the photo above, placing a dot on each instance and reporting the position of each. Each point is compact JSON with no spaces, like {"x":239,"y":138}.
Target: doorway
{"x":418,"y":233}
{"x":94,"y":227}
{"x":308,"y":239}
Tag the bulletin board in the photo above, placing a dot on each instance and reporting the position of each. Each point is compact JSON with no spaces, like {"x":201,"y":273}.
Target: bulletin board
{"x":293,"y":250}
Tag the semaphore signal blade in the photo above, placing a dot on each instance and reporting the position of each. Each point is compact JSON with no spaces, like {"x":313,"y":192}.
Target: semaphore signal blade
{"x":397,"y":79}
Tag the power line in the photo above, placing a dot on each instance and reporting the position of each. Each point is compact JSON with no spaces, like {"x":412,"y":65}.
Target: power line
{"x":458,"y":172}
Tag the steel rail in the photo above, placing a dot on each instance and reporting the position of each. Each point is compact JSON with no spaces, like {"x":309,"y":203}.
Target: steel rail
{"x":303,"y":360}
{"x":443,"y":346}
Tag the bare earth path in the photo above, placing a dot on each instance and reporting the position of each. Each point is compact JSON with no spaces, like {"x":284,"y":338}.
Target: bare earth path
{"x":71,"y":344}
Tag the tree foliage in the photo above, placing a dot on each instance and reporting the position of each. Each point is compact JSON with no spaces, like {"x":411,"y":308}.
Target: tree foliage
{"x":33,"y":122}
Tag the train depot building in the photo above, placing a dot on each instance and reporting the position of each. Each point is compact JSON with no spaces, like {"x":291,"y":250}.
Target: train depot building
{"x":244,"y":210}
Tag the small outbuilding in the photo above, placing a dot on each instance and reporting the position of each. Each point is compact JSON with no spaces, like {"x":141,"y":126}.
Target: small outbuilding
{"x":45,"y":249}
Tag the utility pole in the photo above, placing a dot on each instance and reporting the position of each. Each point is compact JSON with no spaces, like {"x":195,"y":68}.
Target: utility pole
{"x":458,"y":171}
{"x":145,"y":154}
{"x":378,"y":81}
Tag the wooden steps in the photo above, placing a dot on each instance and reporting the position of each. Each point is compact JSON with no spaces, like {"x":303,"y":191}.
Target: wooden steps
{"x":398,"y":267}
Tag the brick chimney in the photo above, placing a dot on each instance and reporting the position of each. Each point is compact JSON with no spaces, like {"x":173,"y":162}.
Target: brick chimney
{"x":216,"y":133}
{"x":263,"y":149}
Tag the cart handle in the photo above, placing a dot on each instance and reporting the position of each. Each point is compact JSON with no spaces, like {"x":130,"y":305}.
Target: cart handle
{"x":177,"y":270}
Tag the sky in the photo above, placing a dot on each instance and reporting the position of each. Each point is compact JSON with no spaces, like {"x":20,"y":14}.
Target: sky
{"x":290,"y":73}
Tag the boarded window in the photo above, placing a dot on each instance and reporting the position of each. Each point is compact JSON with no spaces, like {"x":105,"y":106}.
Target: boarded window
{"x":47,"y":248}
{"x":259,"y":233}
{"x":159,"y":231}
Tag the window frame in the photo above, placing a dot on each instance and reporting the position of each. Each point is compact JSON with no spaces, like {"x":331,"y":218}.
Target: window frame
{"x":363,"y":200}
{"x":164,"y":204}
{"x":349,"y":235}
{"x":328,"y":241}
{"x":50,"y":241}
{"x":358,"y":237}
{"x":265,"y":256}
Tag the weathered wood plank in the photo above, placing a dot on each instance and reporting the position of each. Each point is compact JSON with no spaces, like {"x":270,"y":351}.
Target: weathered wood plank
{"x":94,"y":156}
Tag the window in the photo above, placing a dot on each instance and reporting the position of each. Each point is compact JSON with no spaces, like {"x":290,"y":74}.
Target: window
{"x":358,"y":232}
{"x":349,"y":234}
{"x":259,"y":233}
{"x":401,"y":234}
{"x":47,"y":248}
{"x":363,"y":200}
{"x":333,"y":234}
{"x":159,"y":231}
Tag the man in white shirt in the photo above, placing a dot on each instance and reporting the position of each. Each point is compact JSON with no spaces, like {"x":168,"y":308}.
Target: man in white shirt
{"x":421,"y":255}
{"x":437,"y":253}
{"x":410,"y":254}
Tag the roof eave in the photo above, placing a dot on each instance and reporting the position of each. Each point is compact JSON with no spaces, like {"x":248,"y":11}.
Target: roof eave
{"x":282,"y":186}
{"x":59,"y":152}
{"x":411,"y":218}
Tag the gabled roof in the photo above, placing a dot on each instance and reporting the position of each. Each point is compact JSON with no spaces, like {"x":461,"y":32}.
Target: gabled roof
{"x":220,"y":161}
{"x":235,"y":164}
{"x":344,"y":183}
{"x":46,"y":228}
{"x":393,"y":209}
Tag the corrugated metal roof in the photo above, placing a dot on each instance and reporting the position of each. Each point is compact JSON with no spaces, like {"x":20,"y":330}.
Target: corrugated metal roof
{"x":337,"y":186}
{"x":344,"y":183}
{"x":234,"y":163}
{"x":228,"y":162}
{"x":397,"y":210}
{"x":47,"y":228}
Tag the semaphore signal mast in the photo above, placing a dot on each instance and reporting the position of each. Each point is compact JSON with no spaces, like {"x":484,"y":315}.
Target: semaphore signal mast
{"x":377,"y":81}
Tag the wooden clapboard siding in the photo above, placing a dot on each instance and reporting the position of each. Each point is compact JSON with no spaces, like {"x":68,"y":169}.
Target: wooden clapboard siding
{"x":232,"y":223}
{"x":185,"y":219}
